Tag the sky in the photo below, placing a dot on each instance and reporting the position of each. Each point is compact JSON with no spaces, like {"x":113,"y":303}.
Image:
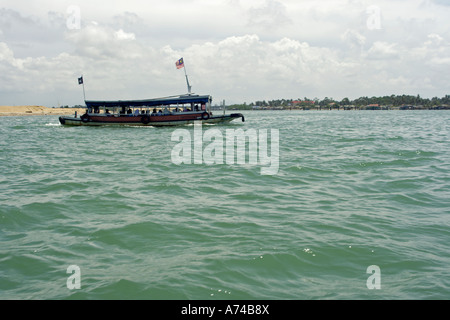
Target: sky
{"x":234,"y":50}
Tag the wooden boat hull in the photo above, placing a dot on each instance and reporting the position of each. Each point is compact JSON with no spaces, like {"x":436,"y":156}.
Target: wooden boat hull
{"x":145,"y":120}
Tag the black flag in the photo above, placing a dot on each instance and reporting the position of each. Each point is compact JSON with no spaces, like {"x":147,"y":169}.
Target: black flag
{"x":80,"y":80}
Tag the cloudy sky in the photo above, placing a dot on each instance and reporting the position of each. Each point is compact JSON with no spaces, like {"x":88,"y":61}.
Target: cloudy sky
{"x":237,"y":50}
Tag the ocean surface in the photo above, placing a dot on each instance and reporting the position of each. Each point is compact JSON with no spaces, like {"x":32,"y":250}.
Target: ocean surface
{"x":359,"y":208}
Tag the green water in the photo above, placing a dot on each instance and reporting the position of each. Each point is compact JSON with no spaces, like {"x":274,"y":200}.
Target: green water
{"x":353,"y":189}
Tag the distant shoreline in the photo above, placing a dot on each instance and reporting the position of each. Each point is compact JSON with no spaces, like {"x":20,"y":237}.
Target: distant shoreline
{"x":37,"y":111}
{"x":334,"y":108}
{"x":15,"y":111}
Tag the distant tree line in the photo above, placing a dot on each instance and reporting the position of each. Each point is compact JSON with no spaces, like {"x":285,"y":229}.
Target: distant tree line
{"x":392,"y":100}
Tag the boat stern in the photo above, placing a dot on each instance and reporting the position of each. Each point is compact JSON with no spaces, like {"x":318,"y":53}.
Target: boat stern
{"x":237,"y":115}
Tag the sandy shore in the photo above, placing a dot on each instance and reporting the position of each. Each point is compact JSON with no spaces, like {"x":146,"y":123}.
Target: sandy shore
{"x":37,"y":111}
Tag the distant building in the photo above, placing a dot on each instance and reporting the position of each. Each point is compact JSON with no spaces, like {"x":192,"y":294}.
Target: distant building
{"x":373,"y":106}
{"x":302,"y":102}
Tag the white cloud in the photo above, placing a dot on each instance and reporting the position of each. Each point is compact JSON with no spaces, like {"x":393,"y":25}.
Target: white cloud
{"x":122,"y":35}
{"x":6,"y":53}
{"x":353,"y":38}
{"x":234,"y":50}
{"x":383,"y":51}
{"x":434,"y":39}
{"x":270,"y":14}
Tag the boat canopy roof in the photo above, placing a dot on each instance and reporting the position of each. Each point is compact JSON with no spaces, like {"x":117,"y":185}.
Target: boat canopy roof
{"x":150,"y":102}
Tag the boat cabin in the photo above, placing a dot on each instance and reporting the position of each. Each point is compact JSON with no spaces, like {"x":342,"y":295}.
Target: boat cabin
{"x":189,"y":104}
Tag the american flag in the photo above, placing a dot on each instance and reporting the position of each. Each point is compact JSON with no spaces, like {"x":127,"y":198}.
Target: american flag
{"x":180,"y":63}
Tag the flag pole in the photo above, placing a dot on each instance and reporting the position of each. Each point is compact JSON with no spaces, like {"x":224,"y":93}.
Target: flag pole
{"x":187,"y":80}
{"x":84,"y":93}
{"x":180,"y":64}
{"x":81,"y":81}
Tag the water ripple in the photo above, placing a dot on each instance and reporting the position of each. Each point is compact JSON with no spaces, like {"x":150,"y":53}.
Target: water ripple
{"x":353,"y":189}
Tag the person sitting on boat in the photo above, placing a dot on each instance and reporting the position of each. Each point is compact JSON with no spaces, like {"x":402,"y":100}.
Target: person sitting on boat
{"x":129,"y":111}
{"x":136,"y":112}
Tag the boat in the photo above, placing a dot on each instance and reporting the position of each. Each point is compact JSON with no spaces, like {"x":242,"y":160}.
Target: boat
{"x":167,"y":111}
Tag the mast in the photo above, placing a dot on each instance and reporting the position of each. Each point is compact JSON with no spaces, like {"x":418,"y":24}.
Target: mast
{"x":84,"y":93}
{"x":187,"y":80}
{"x":81,"y":81}
{"x":180,"y":64}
